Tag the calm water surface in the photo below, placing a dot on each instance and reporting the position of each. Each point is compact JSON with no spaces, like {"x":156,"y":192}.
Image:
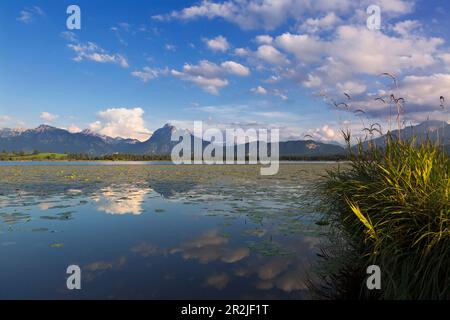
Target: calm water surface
{"x":158,"y":232}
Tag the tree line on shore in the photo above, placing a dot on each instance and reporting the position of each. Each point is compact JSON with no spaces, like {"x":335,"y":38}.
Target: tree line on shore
{"x":42,"y":156}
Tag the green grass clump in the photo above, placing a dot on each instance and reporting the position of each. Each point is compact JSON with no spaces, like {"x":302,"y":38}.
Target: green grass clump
{"x":391,"y":208}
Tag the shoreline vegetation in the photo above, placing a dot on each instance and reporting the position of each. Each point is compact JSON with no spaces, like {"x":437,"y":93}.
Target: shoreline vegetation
{"x":48,"y":156}
{"x":390,"y":207}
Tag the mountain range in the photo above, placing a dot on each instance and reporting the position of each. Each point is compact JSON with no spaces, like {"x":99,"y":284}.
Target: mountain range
{"x":432,"y":129}
{"x":50,"y":139}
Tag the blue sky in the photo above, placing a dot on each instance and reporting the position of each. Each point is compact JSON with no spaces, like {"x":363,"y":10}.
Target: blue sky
{"x":136,"y":65}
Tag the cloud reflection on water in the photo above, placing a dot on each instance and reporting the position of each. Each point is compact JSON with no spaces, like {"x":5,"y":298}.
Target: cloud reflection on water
{"x":210,"y":246}
{"x":121,"y":199}
{"x":237,"y":237}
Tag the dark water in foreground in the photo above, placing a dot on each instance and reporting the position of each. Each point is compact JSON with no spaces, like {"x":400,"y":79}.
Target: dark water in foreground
{"x":158,"y":232}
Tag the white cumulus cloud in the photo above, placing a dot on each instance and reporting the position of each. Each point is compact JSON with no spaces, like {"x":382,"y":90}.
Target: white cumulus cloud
{"x":235,"y":68}
{"x":312,"y":25}
{"x":219,"y":43}
{"x":254,"y":14}
{"x":405,"y":28}
{"x":48,"y":117}
{"x":271,"y":55}
{"x":351,"y":87}
{"x":313,"y":81}
{"x":146,"y":74}
{"x":241,"y":52}
{"x":92,"y":52}
{"x":426,"y":90}
{"x":210,"y":76}
{"x":122,"y":122}
{"x":264,"y":39}
{"x":259,"y":90}
{"x":73,"y":128}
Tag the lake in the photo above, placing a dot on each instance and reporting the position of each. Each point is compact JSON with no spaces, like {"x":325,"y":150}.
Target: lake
{"x":158,"y":231}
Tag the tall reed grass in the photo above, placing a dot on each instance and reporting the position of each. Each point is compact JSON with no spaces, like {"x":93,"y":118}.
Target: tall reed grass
{"x":391,"y":208}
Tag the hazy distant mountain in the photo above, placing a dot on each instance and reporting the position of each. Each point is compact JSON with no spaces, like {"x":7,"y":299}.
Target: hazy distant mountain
{"x":117,"y":144}
{"x":50,"y":139}
{"x":159,"y":143}
{"x":298,"y":149}
{"x":432,"y":129}
{"x":5,"y":133}
{"x":309,"y":148}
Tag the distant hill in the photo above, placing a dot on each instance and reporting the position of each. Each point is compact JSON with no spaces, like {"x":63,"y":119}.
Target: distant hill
{"x":432,"y":130}
{"x":309,"y":148}
{"x":50,"y":139}
{"x":55,"y":140}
